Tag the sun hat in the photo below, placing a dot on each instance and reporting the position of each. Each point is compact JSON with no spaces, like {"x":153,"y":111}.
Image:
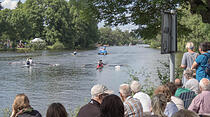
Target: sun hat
{"x":98,"y":89}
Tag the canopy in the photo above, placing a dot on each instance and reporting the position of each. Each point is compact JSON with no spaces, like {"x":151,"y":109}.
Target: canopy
{"x":37,"y":40}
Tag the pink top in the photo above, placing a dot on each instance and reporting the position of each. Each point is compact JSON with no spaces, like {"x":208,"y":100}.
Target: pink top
{"x":201,"y":103}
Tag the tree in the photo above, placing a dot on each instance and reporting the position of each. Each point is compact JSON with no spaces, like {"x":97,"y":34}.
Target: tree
{"x":34,"y":11}
{"x":20,"y":25}
{"x":116,"y":37}
{"x":200,"y":31}
{"x":84,"y":24}
{"x":19,"y":4}
{"x":146,"y":13}
{"x":201,"y":7}
{"x":6,"y":30}
{"x":58,"y":22}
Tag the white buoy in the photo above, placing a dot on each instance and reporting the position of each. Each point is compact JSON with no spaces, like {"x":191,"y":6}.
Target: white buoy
{"x":117,"y":68}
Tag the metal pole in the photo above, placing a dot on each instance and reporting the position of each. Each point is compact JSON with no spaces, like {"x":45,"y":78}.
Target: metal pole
{"x":172,"y":67}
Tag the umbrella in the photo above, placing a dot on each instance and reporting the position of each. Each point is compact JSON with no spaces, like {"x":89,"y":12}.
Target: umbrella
{"x":37,"y":40}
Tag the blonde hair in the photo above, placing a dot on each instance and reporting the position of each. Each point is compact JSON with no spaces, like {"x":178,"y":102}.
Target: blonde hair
{"x":159,"y":103}
{"x":21,"y":101}
{"x":135,"y":86}
{"x":163,"y":89}
{"x":189,"y":45}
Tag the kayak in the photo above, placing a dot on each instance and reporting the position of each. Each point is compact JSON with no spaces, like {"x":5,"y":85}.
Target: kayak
{"x":102,"y":52}
{"x":99,"y":67}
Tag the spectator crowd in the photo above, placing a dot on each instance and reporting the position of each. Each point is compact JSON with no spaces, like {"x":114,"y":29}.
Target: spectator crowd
{"x":188,"y":96}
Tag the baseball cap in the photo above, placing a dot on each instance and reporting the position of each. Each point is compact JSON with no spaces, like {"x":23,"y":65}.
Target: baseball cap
{"x":100,"y":89}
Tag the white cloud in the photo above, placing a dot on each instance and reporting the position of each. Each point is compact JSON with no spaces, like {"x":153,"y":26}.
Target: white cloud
{"x":10,"y":4}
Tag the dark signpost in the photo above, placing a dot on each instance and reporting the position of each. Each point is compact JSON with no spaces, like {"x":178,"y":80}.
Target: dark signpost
{"x":169,"y":38}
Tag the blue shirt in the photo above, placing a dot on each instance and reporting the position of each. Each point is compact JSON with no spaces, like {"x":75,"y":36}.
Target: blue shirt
{"x":202,"y":62}
{"x":170,"y":109}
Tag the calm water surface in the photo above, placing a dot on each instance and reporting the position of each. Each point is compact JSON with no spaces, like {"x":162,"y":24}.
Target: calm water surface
{"x":71,"y":81}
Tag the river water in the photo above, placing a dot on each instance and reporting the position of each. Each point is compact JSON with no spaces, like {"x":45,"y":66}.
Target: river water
{"x":70,"y":80}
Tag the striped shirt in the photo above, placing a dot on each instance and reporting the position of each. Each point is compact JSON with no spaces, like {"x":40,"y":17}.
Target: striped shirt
{"x":133,"y":107}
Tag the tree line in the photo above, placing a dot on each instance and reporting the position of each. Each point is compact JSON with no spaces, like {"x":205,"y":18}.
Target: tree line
{"x":72,"y":23}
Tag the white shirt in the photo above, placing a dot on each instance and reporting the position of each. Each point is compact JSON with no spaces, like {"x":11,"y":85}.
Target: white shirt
{"x":30,"y":60}
{"x":179,"y":102}
{"x":145,"y":101}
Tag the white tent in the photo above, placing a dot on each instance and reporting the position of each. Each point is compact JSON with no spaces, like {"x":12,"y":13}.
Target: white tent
{"x":36,"y":40}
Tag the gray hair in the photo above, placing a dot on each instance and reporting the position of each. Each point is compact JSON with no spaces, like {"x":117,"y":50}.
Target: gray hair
{"x":189,"y":73}
{"x":125,"y":90}
{"x":193,"y":85}
{"x":189,"y":45}
{"x":185,"y":113}
{"x":205,"y":84}
{"x":135,"y":86}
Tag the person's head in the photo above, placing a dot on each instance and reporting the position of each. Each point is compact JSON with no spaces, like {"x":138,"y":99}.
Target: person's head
{"x":163,"y":89}
{"x":204,"y":84}
{"x":100,"y":61}
{"x":188,"y":73}
{"x":112,"y":106}
{"x":158,"y":103}
{"x":99,"y":91}
{"x":172,"y":87}
{"x":56,"y":110}
{"x":135,"y":86}
{"x":203,"y":47}
{"x":178,"y":83}
{"x":185,"y":113}
{"x":21,"y":101}
{"x":189,"y":46}
{"x":193,"y":85}
{"x":125,"y":91}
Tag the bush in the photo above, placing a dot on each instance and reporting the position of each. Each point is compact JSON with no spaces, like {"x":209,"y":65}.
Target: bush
{"x":24,"y":50}
{"x":58,"y":46}
{"x":37,"y":45}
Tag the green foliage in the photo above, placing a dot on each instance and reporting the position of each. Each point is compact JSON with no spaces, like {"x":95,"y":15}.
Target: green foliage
{"x":143,"y":13}
{"x":24,"y":50}
{"x":37,"y":45}
{"x":6,"y":112}
{"x":72,"y":22}
{"x":74,"y":112}
{"x":200,"y":31}
{"x":58,"y":46}
{"x":148,"y":86}
{"x":116,"y":37}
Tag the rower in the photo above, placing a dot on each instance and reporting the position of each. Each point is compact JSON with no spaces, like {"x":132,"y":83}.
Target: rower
{"x":27,"y":61}
{"x":75,"y":52}
{"x":100,"y":64}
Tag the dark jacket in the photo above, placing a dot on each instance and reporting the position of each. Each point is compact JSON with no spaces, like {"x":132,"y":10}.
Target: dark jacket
{"x":92,"y":109}
{"x":32,"y":113}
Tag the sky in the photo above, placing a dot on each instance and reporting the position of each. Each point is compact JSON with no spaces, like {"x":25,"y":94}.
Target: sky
{"x":11,"y":4}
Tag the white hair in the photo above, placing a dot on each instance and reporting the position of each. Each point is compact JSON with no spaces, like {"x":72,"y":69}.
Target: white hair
{"x":125,"y":90}
{"x":189,"y":45}
{"x":193,"y":85}
{"x":135,"y":86}
{"x":205,"y":84}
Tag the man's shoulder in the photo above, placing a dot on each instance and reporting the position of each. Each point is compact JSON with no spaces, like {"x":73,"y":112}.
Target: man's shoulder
{"x":89,"y":105}
{"x":141,"y":95}
{"x":89,"y":110}
{"x":33,"y":113}
{"x":132,"y":101}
